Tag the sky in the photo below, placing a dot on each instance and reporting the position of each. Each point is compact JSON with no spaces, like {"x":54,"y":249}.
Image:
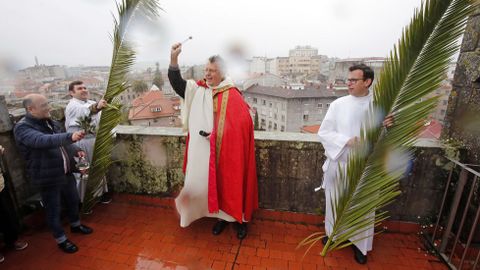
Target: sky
{"x":76,"y":32}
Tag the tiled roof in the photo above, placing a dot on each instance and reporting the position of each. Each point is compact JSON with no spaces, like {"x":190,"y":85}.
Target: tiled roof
{"x":433,"y":130}
{"x":310,"y":129}
{"x":144,"y":107}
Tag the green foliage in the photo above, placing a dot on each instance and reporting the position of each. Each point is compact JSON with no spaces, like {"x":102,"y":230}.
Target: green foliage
{"x":139,"y":86}
{"x":414,"y":68}
{"x":85,"y":123}
{"x":140,"y":173}
{"x":158,"y":79}
{"x":451,"y":149}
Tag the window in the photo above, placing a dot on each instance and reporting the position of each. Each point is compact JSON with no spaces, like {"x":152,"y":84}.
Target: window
{"x":269,"y":124}
{"x":445,"y":102}
{"x":328,"y":105}
{"x":156,"y":109}
{"x":305,"y":117}
{"x":255,"y":100}
{"x":270,"y":104}
{"x":320,"y":105}
{"x":282,"y":129}
{"x":275,"y":126}
{"x":264,"y":102}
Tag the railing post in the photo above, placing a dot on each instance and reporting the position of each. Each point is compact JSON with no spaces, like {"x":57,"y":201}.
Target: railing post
{"x":445,"y":193}
{"x":453,"y":210}
{"x":465,"y":212}
{"x":470,"y":236}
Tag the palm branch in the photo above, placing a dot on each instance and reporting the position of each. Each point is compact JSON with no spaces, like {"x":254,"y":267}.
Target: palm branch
{"x":415,"y":67}
{"x":85,"y":123}
{"x":122,"y":60}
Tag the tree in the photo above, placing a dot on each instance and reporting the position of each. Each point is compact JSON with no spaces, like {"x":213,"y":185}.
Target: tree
{"x":139,"y":86}
{"x":158,"y":79}
{"x":414,"y":68}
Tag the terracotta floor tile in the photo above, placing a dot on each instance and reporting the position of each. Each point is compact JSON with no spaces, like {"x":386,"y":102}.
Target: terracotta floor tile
{"x":138,"y":232}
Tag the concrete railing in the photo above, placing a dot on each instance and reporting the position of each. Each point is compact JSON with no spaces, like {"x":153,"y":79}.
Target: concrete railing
{"x":149,"y":161}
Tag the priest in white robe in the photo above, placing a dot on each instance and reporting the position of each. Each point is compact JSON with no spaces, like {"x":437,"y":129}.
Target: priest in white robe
{"x":219,"y":163}
{"x":339,"y":131}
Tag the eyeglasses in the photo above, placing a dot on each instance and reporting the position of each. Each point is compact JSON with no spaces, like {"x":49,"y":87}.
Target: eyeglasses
{"x":354,"y":80}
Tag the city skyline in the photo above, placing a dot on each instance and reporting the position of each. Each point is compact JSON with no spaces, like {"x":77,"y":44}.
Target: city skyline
{"x":76,"y":32}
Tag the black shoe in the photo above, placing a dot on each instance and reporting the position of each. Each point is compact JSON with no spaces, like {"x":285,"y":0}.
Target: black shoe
{"x":241,"y":230}
{"x":81,"y":229}
{"x":68,"y":247}
{"x":358,"y":255}
{"x":219,"y":226}
{"x":105,"y":198}
{"x":325,"y":240}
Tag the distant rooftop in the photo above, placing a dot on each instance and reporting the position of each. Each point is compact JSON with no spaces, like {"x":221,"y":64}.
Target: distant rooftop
{"x":363,"y":59}
{"x":290,"y":93}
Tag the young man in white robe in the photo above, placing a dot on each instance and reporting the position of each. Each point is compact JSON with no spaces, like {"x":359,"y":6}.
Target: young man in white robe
{"x":80,"y":106}
{"x":339,"y":131}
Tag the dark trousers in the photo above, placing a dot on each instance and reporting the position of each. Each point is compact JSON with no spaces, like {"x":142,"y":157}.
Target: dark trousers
{"x":52,"y":198}
{"x":8,"y":219}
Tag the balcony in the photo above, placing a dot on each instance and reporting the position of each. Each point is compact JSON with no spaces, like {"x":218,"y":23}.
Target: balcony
{"x":140,"y":228}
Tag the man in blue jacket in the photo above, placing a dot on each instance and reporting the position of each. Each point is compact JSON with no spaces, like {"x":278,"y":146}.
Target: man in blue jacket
{"x":49,"y":159}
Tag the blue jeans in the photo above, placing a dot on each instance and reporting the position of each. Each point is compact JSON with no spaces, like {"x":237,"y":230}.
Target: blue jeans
{"x":52,"y":197}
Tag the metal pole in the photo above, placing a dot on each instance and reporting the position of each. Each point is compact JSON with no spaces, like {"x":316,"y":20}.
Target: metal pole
{"x":470,"y":236}
{"x":470,"y":195}
{"x":453,"y":209}
{"x":476,"y":261}
{"x":443,"y":203}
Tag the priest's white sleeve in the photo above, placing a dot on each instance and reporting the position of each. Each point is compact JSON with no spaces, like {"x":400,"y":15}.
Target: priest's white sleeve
{"x":186,"y":104}
{"x":333,"y":142}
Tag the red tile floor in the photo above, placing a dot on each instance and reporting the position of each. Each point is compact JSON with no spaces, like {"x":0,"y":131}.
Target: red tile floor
{"x":137,"y":232}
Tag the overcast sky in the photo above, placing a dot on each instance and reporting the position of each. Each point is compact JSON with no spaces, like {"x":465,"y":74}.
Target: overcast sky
{"x":76,"y":32}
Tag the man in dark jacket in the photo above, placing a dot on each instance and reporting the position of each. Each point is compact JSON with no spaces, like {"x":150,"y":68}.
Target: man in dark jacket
{"x":48,"y":155}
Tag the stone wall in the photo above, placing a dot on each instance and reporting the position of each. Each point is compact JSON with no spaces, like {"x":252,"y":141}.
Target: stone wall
{"x":463,"y":121}
{"x":149,"y":161}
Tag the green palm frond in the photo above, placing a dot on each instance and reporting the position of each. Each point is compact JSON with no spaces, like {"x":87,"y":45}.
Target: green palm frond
{"x":414,"y":68}
{"x":122,"y":60}
{"x":85,"y":123}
